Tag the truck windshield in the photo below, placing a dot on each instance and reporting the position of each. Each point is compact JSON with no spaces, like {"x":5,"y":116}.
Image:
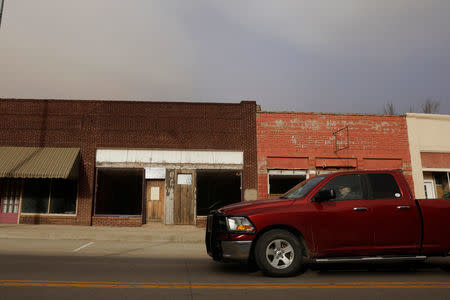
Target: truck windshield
{"x":301,"y":189}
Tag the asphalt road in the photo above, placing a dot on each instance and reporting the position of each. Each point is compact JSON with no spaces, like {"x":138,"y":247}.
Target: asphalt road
{"x":67,"y":269}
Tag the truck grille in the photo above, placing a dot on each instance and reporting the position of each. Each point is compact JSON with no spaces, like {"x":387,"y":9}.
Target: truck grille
{"x":215,"y":226}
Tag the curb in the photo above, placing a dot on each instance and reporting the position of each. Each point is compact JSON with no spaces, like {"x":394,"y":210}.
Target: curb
{"x":61,"y":232}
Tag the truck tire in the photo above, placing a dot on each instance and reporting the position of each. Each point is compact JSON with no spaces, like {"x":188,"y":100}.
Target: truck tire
{"x":279,"y":253}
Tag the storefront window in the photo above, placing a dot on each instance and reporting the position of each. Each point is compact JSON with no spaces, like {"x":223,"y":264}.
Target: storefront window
{"x":442,"y":184}
{"x":49,"y":196}
{"x":280,"y":184}
{"x":63,"y":197}
{"x":35,"y":196}
{"x":217,"y":188}
{"x":119,"y":191}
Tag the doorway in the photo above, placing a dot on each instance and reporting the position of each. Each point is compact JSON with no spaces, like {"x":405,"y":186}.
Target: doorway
{"x":155,"y":195}
{"x":10,"y":190}
{"x":184,"y":202}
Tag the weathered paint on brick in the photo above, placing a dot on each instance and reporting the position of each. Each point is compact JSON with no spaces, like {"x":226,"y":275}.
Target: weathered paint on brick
{"x":380,"y":141}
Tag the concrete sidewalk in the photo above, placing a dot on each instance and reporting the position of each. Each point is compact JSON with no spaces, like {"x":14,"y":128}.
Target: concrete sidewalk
{"x":147,"y":233}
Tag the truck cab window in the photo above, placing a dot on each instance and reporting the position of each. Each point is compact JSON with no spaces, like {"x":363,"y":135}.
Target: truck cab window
{"x":303,"y":188}
{"x":382,"y":186}
{"x":346,"y":187}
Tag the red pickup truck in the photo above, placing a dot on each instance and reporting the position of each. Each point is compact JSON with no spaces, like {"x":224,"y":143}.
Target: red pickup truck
{"x":344,"y":216}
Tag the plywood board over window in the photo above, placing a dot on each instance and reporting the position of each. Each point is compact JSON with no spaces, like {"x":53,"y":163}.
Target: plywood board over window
{"x":287,"y":162}
{"x":323,"y":162}
{"x":382,"y":163}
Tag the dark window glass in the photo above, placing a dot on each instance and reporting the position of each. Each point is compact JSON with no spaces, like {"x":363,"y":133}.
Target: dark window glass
{"x":119,"y":192}
{"x":440,"y":177}
{"x":63,"y":197}
{"x":347,"y":187}
{"x":35,"y":197}
{"x":280,"y":184}
{"x":382,"y":186}
{"x":216,"y":189}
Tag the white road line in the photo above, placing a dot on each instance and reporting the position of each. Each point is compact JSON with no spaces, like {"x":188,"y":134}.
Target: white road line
{"x":84,"y":246}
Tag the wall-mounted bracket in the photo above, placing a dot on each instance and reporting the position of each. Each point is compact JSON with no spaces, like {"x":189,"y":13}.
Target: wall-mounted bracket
{"x":341,"y":139}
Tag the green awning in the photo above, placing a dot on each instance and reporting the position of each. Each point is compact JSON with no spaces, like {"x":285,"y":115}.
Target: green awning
{"x":31,"y":162}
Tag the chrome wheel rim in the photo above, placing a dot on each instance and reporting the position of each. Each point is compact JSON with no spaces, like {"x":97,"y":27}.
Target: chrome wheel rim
{"x":280,"y":254}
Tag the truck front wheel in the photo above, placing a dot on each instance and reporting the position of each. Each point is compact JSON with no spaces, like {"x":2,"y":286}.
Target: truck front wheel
{"x":279,"y":253}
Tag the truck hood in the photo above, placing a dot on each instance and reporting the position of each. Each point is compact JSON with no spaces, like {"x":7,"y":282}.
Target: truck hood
{"x":249,"y":207}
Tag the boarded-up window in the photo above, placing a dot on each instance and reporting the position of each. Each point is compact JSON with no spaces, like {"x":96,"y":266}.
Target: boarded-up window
{"x":382,"y":164}
{"x":335,"y":162}
{"x":287,"y":162}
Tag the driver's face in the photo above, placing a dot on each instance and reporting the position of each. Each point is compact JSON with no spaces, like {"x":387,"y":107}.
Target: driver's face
{"x":344,"y":191}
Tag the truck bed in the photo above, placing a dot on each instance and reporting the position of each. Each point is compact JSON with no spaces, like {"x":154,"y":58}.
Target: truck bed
{"x":436,"y":225}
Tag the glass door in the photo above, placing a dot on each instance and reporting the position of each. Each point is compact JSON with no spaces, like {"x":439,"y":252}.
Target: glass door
{"x":10,"y":190}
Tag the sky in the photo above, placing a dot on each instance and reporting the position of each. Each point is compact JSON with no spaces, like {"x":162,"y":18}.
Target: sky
{"x":346,"y":56}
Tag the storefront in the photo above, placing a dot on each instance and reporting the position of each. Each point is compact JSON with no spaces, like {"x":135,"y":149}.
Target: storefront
{"x":169,"y":186}
{"x":37,"y":182}
{"x":139,"y":161}
{"x":430,"y":154}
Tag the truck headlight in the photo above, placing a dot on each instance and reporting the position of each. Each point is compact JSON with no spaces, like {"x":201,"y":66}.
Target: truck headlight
{"x":241,"y":224}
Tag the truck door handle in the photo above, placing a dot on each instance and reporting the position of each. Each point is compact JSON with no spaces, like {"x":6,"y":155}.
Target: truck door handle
{"x":359,"y":209}
{"x":403,"y":207}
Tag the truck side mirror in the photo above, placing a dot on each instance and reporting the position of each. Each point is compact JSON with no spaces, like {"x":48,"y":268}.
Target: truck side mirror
{"x":325,"y":195}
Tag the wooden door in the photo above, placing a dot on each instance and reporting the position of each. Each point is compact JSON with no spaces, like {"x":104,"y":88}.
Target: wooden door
{"x":155,"y":192}
{"x":184,"y":202}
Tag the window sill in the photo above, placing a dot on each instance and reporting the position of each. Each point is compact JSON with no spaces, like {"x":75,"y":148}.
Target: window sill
{"x":50,"y":215}
{"x":116,"y":216}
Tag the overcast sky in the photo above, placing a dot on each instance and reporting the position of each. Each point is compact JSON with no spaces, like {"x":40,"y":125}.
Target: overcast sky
{"x":321,"y":56}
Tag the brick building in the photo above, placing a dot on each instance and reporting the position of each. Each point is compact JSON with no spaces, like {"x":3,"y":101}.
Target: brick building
{"x":123,"y":163}
{"x":294,"y":146}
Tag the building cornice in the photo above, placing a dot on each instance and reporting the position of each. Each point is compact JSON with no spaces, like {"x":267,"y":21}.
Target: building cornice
{"x":428,"y":116}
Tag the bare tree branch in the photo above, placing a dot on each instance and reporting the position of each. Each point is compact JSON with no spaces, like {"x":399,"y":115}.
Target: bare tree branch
{"x":389,"y":108}
{"x":431,"y":106}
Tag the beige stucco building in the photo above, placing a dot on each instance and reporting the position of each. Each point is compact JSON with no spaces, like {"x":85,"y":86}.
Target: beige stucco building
{"x":429,"y":142}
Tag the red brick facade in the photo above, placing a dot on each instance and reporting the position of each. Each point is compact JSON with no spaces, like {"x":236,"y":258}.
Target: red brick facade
{"x":435,"y":160}
{"x":116,"y":221}
{"x":306,"y":141}
{"x":90,"y":125}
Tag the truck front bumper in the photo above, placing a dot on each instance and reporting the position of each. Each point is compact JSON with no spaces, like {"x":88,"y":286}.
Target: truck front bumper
{"x":220,"y":246}
{"x":236,"y":250}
